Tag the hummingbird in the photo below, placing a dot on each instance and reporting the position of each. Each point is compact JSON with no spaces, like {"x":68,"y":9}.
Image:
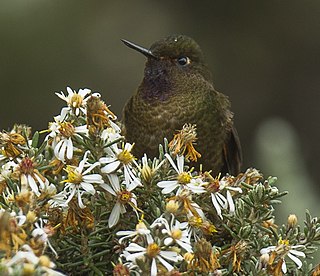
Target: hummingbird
{"x":177,"y":89}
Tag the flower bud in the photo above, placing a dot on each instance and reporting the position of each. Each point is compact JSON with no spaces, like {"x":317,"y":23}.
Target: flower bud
{"x":292,"y":220}
{"x":172,"y":206}
{"x":264,"y":259}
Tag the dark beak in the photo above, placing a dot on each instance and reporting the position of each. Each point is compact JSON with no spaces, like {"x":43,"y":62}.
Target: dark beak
{"x":138,"y":48}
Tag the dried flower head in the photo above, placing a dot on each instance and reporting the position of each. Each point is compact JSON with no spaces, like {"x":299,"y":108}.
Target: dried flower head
{"x":99,"y":116}
{"x":203,"y":260}
{"x":11,"y":144}
{"x":184,"y":141}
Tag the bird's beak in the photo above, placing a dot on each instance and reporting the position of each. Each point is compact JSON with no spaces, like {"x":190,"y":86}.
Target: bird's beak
{"x":140,"y":49}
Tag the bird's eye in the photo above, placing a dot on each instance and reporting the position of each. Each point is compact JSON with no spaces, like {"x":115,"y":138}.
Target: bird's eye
{"x":183,"y":61}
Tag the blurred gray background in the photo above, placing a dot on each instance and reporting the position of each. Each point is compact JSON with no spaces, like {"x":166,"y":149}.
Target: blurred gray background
{"x":263,"y":54}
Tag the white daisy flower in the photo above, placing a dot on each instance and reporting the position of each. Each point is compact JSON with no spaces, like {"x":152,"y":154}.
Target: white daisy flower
{"x":53,"y":129}
{"x":26,"y":255}
{"x":7,"y":169}
{"x":153,"y":252}
{"x":141,"y":230}
{"x":109,"y":135}
{"x":30,"y":176}
{"x":184,"y":179}
{"x":42,"y":233}
{"x":77,"y":101}
{"x":115,"y":157}
{"x":124,"y":196}
{"x":64,"y":148}
{"x":177,"y":232}
{"x":283,"y":249}
{"x":79,"y":180}
{"x":220,"y":201}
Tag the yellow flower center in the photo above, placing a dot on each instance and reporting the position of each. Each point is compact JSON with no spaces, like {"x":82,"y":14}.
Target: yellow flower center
{"x":284,"y":242}
{"x":125,"y":157}
{"x":66,"y":129}
{"x":184,"y":178}
{"x":76,"y":100}
{"x":195,"y":221}
{"x":212,"y":229}
{"x":124,"y":196}
{"x":73,"y":175}
{"x":176,"y":234}
{"x":153,"y":250}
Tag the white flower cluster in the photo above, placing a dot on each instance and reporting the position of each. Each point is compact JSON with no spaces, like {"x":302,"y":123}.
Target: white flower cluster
{"x":81,"y":180}
{"x":148,"y":245}
{"x":84,"y":167}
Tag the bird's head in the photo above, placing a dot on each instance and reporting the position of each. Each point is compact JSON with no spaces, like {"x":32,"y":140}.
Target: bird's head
{"x":175,"y":55}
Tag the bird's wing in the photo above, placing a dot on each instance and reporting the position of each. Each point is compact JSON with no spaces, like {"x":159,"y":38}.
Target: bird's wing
{"x":232,"y":153}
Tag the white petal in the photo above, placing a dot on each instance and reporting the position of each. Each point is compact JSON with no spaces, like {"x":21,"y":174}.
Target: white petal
{"x":125,"y":233}
{"x":180,"y":163}
{"x":114,"y":181}
{"x":196,"y":189}
{"x":169,"y":255}
{"x":284,"y":267}
{"x":91,"y":167}
{"x":168,"y":241}
{"x":21,"y":255}
{"x":92,"y":178}
{"x":109,"y":189}
{"x":83,"y":161}
{"x":168,"y":186}
{"x":83,"y":92}
{"x":115,"y":126}
{"x":107,"y":160}
{"x":186,"y":246}
{"x":69,"y":148}
{"x":230,"y":202}
{"x":73,"y":191}
{"x":81,"y":205}
{"x":88,"y":187}
{"x":295,"y":259}
{"x":61,"y":95}
{"x":70,"y":91}
{"x":33,"y":185}
{"x":223,"y":202}
{"x":236,"y":189}
{"x":115,"y":214}
{"x":133,"y":247}
{"x":153,"y":268}
{"x":42,"y":185}
{"x":267,"y":250}
{"x":171,"y":162}
{"x":216,"y":205}
{"x":109,"y":168}
{"x":81,"y":129}
{"x":64,"y":112}
{"x":168,"y":266}
{"x":297,"y":253}
{"x":198,"y":209}
{"x":60,"y":149}
{"x":132,"y":257}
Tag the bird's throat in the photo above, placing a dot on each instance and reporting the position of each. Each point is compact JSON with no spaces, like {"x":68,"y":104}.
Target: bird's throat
{"x":156,"y":84}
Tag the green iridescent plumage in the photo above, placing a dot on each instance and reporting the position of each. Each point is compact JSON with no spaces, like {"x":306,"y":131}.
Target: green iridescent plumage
{"x":177,"y":89}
